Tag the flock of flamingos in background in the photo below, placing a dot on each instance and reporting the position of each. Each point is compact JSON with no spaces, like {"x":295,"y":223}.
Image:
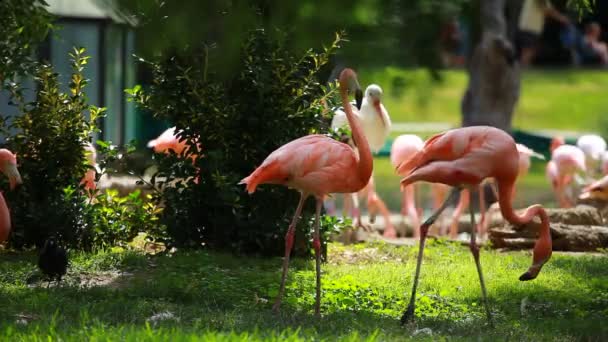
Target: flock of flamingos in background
{"x":463,"y":159}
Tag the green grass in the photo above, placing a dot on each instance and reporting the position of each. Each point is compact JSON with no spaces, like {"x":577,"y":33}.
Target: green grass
{"x":220,"y":297}
{"x":571,"y":100}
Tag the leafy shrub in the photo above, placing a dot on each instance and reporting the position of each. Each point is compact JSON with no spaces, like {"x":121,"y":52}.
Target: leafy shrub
{"x":273,"y":98}
{"x":119,"y":219}
{"x":51,"y":134}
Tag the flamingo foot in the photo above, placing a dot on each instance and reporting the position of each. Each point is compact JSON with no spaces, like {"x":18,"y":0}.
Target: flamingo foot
{"x":408,"y":315}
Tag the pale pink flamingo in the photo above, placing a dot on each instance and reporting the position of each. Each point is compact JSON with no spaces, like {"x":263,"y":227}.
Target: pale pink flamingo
{"x":463,"y":158}
{"x":594,"y":147}
{"x":376,"y":125}
{"x":8,"y":166}
{"x":598,"y":190}
{"x":404,"y":147}
{"x":566,"y":161}
{"x":89,"y":177}
{"x":317,"y":165}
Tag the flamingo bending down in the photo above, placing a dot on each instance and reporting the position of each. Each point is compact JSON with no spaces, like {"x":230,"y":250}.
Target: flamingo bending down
{"x":594,"y":147}
{"x":8,"y":166}
{"x":598,"y":190}
{"x":403,"y":148}
{"x":566,"y":161}
{"x":525,"y":155}
{"x":317,"y":165}
{"x":463,"y":158}
{"x":376,"y":125}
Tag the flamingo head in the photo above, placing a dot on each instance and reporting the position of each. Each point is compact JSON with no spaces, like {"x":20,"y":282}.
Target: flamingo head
{"x":373,"y":93}
{"x":348,"y":77}
{"x":556,"y":142}
{"x":8,"y":166}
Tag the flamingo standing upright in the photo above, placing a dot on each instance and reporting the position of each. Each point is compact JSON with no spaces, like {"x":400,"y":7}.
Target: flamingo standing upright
{"x":376,"y":125}
{"x":463,"y":158}
{"x":8,"y":166}
{"x":566,"y":161}
{"x":89,"y":177}
{"x":317,"y":165}
{"x":594,"y":147}
{"x":404,"y":147}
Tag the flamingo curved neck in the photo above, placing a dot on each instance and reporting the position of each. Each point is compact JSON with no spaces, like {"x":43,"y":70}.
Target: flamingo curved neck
{"x":365,"y":165}
{"x":543,"y":246}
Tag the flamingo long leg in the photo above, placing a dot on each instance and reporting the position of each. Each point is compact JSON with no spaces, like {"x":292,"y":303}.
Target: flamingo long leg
{"x":424,"y":229}
{"x":316,"y":243}
{"x":481,"y":192}
{"x":463,"y":202}
{"x":288,"y":245}
{"x":410,"y":208}
{"x":475,"y":251}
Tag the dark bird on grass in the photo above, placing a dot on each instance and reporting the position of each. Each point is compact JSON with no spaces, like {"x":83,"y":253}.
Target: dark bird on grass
{"x":53,"y":260}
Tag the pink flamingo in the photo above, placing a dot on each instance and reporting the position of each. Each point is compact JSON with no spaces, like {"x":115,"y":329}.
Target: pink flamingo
{"x":89,"y":177}
{"x":566,"y":161}
{"x":317,"y":165}
{"x":8,"y":166}
{"x":463,"y":158}
{"x":404,"y":147}
{"x":594,"y":147}
{"x":169,"y":141}
{"x":525,"y":155}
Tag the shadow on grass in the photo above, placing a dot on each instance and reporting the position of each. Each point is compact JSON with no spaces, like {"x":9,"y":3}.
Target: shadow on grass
{"x":209,"y":291}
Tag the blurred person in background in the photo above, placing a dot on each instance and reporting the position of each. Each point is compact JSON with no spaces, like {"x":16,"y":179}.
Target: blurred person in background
{"x":531,"y":23}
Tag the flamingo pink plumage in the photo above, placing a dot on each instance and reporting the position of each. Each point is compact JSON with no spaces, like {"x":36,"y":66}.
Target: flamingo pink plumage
{"x":89,"y":177}
{"x":463,"y":158}
{"x":566,"y":161}
{"x":317,"y":165}
{"x":403,"y":148}
{"x":8,"y":166}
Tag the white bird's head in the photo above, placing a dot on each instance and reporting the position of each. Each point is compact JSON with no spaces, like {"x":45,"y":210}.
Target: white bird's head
{"x":374,"y":93}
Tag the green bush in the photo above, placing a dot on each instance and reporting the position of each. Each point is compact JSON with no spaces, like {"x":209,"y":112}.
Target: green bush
{"x":51,"y":133}
{"x":273,"y":98}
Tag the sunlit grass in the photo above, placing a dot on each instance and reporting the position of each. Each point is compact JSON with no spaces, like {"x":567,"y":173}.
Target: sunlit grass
{"x":213,"y":296}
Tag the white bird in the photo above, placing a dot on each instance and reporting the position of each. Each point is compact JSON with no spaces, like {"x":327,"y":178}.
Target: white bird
{"x":594,"y":147}
{"x":375,"y":121}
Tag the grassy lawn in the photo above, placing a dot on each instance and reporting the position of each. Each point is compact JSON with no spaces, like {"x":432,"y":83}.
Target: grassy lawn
{"x":210,"y":296}
{"x":571,"y":100}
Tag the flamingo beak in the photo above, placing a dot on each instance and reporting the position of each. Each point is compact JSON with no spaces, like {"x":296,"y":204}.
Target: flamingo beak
{"x":542,"y":254}
{"x":359,"y":97}
{"x":379,"y":111}
{"x":13,"y":175}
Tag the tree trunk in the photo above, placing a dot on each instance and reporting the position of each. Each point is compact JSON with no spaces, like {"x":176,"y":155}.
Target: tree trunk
{"x":494,"y":72}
